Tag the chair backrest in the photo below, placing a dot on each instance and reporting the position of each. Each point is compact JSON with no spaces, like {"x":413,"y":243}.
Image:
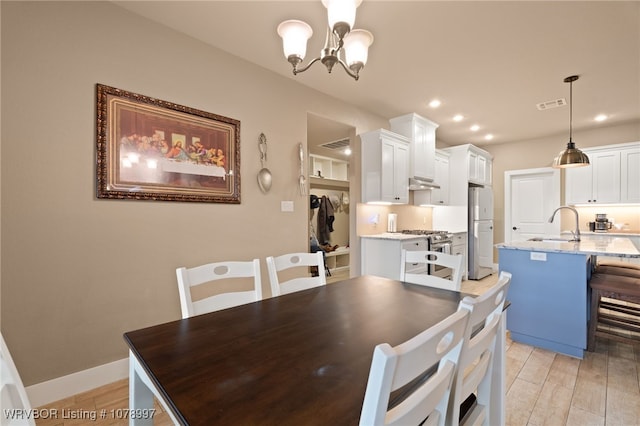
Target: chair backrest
{"x":475,"y":367}
{"x":14,"y":402}
{"x":394,"y":367}
{"x":453,"y":261}
{"x":192,"y":277}
{"x":293,"y":260}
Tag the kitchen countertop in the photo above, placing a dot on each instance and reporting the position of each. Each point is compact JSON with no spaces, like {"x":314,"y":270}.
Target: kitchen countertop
{"x":595,"y":245}
{"x":394,"y":236}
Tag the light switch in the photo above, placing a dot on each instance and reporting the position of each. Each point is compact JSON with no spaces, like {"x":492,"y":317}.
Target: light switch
{"x":286,"y":206}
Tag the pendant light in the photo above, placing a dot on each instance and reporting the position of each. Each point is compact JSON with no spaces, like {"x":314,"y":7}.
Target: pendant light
{"x":572,"y":156}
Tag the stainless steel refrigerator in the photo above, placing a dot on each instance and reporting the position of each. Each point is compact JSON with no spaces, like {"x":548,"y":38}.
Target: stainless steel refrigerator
{"x":480,"y":232}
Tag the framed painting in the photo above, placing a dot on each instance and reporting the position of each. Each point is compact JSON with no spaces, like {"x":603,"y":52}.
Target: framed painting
{"x":148,"y":149}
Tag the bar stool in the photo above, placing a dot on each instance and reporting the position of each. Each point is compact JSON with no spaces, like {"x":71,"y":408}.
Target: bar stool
{"x":615,"y":303}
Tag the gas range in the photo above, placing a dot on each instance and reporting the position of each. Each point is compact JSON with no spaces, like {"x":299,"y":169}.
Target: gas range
{"x":432,"y":235}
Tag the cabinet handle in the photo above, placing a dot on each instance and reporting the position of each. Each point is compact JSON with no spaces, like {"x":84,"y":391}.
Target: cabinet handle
{"x":514,"y":228}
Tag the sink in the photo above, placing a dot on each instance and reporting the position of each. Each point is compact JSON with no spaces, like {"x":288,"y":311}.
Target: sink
{"x":552,"y":240}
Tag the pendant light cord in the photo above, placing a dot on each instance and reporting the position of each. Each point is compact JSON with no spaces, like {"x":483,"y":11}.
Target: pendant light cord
{"x":571,"y":111}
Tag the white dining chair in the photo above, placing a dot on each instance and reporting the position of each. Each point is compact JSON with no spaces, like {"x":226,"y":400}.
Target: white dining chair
{"x":16,"y":408}
{"x":394,"y":367}
{"x":453,"y":261}
{"x":276,"y":266}
{"x":472,"y":384}
{"x":189,"y":278}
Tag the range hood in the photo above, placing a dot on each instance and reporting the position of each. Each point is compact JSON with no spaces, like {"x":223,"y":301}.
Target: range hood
{"x":419,"y":184}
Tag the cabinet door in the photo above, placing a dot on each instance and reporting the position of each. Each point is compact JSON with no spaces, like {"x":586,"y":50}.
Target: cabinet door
{"x":425,"y":144}
{"x":481,"y":172}
{"x":387,"y":172}
{"x":401,"y":174}
{"x":606,"y":177}
{"x":473,"y":166}
{"x":440,"y":196}
{"x":630,"y":175}
{"x":579,"y":185}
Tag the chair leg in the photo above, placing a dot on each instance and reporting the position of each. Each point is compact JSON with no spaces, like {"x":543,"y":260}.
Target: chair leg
{"x":593,"y":321}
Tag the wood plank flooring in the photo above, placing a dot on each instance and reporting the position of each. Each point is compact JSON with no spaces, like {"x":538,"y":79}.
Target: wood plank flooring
{"x":543,"y":388}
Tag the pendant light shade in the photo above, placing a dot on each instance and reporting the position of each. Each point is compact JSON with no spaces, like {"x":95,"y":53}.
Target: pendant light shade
{"x":572,"y":156}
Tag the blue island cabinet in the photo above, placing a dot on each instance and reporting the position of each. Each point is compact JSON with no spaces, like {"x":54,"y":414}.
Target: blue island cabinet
{"x":549,"y":303}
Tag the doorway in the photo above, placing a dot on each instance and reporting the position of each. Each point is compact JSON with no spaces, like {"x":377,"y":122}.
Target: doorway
{"x":531,"y":196}
{"x":330,"y":168}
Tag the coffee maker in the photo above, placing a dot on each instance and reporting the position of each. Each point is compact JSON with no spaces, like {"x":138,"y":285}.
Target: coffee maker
{"x":601,"y":223}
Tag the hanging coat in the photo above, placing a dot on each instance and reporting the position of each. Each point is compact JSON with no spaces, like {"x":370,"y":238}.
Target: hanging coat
{"x":325,"y":220}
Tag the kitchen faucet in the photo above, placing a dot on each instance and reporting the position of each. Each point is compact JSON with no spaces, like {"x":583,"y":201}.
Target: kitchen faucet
{"x":576,"y":233}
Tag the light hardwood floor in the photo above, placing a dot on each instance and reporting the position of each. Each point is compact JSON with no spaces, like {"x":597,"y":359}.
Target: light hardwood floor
{"x":543,"y":388}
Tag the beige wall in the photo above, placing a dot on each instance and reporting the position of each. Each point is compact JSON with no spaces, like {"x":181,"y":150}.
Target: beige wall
{"x":540,"y":153}
{"x":78,"y":272}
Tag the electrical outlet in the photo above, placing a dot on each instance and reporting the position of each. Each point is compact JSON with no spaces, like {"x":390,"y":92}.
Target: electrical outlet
{"x":286,"y":206}
{"x":541,"y":257}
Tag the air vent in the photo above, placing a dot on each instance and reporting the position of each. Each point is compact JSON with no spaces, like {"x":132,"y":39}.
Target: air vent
{"x":337,"y":145}
{"x":551,"y":104}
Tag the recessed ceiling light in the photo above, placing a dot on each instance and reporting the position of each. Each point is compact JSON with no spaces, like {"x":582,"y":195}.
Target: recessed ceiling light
{"x":489,"y":137}
{"x":474,"y":128}
{"x":601,"y":117}
{"x":458,"y":117}
{"x":434,"y":103}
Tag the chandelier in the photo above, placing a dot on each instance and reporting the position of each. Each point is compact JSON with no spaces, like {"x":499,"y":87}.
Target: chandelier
{"x":341,"y":40}
{"x":572,"y":156}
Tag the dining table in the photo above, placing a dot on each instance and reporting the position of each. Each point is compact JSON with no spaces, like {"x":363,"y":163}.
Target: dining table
{"x":298,"y":359}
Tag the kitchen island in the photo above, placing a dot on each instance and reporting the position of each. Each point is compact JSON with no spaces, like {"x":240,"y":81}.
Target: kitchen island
{"x":549,"y":292}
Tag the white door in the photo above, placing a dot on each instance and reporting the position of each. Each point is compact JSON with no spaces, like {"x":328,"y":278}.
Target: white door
{"x":531,"y":196}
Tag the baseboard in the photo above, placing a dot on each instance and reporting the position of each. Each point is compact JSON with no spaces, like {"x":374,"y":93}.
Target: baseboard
{"x":63,"y":387}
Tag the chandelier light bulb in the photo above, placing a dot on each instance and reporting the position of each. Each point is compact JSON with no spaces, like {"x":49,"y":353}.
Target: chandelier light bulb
{"x":294,"y":35}
{"x":341,"y":11}
{"x":356,"y":47}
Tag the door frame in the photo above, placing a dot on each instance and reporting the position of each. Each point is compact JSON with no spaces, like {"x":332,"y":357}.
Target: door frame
{"x":509,"y":175}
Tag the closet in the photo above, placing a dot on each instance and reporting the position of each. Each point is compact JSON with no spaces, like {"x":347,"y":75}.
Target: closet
{"x":327,"y":168}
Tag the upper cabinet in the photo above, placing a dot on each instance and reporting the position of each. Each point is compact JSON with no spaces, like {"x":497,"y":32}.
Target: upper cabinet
{"x":385,"y":167}
{"x":436,"y":196}
{"x":611,"y":177}
{"x":468,"y":164}
{"x":440,"y":196}
{"x":422,"y":134}
{"x":630,"y":174}
{"x":479,"y":165}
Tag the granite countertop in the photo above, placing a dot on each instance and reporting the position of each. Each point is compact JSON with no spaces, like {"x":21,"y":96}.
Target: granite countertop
{"x":616,"y":232}
{"x":394,"y":236}
{"x":597,"y":245}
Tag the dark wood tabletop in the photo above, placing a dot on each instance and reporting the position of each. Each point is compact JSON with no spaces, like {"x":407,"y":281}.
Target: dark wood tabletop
{"x":298,"y":359}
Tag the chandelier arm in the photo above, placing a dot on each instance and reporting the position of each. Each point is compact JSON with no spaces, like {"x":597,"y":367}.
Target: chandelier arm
{"x":306,"y":67}
{"x":348,"y":70}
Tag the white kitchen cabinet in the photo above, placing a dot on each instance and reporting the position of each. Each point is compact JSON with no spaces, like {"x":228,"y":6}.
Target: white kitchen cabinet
{"x":459,"y":246}
{"x":630,"y":174}
{"x":479,"y":166}
{"x":440,"y":196}
{"x":385,"y":167}
{"x":422,"y":135}
{"x":381,"y":256}
{"x":468,"y":164}
{"x":436,"y":196}
{"x":612,"y":177}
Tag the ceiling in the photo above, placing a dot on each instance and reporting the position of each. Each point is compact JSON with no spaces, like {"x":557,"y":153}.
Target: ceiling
{"x":491,"y":61}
